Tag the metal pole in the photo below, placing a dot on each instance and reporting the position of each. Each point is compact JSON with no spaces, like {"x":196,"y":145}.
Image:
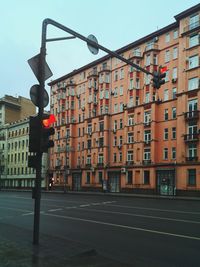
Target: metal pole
{"x":112,"y":53}
{"x":36,"y":227}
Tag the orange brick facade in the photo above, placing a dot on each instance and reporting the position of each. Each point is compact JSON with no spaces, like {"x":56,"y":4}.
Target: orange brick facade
{"x":114,"y":129}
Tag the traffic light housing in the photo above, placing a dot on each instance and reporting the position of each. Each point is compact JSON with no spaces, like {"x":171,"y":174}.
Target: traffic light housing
{"x":46,"y":132}
{"x":158,"y":77}
{"x":34,"y":137}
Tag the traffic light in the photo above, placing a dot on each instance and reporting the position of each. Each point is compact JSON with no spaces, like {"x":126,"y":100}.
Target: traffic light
{"x":47,"y":131}
{"x":158,"y":77}
{"x":34,"y":137}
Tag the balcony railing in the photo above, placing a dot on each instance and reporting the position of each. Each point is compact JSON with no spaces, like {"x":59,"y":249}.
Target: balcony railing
{"x":88,"y":165}
{"x":192,"y":115}
{"x":191,"y":26}
{"x":146,"y":161}
{"x":130,"y":162}
{"x":100,"y":164}
{"x":151,"y":47}
{"x":191,"y":137}
{"x":104,"y":68}
{"x":135,"y":54}
{"x":93,"y":73}
{"x":193,"y":159}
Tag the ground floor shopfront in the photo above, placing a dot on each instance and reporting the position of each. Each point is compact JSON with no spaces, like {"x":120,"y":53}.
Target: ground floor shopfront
{"x":161,"y":180}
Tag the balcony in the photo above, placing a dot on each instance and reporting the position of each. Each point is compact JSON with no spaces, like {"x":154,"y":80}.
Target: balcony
{"x":129,"y":162}
{"x":100,"y":164}
{"x":191,"y":159}
{"x":105,"y":68}
{"x":192,"y":115}
{"x":191,"y":26}
{"x":151,"y":47}
{"x":191,"y":137}
{"x":146,"y":162}
{"x":147,"y":124}
{"x":92,"y":73}
{"x":135,"y":54}
{"x":88,"y":165}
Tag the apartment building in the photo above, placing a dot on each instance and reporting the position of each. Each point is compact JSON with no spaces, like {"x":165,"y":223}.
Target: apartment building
{"x":14,"y":153}
{"x":15,"y":108}
{"x":114,"y":129}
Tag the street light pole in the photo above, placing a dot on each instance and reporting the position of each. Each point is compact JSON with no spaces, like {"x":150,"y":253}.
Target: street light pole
{"x":37,"y":193}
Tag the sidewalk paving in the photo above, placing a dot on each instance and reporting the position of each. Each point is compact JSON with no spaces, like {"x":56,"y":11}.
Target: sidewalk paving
{"x":17,"y":250}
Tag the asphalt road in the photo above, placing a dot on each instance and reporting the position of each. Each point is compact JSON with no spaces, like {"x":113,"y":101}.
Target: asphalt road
{"x":135,"y":231}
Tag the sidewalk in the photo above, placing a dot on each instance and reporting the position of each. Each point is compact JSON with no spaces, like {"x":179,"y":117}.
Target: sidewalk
{"x":112,"y":194}
{"x":16,"y":250}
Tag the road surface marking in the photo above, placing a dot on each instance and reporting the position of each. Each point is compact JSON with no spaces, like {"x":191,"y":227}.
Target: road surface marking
{"x":154,"y":209}
{"x":55,"y":209}
{"x":7,"y":208}
{"x":27,"y":214}
{"x":123,"y":226}
{"x":143,"y":216}
{"x":84,"y":205}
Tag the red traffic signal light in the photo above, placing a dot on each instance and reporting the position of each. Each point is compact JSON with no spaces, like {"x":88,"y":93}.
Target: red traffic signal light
{"x":158,"y":77}
{"x":47,"y":131}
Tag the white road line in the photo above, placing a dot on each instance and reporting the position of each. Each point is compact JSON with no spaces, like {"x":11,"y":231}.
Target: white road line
{"x":85,"y":205}
{"x":124,"y":226}
{"x":144,"y":216}
{"x":27,"y":214}
{"x":95,"y":204}
{"x":55,"y":209}
{"x":16,"y":209}
{"x":155,"y":209}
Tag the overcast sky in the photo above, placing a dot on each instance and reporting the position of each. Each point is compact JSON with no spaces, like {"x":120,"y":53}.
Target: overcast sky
{"x":115,"y":24}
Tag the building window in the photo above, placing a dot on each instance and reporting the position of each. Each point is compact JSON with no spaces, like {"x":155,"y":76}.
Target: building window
{"x":173,"y":153}
{"x":193,"y":62}
{"x":147,"y":135}
{"x":130,"y":156}
{"x":131,"y":84}
{"x":121,"y":73}
{"x":101,"y":126}
{"x":130,"y":138}
{"x":175,"y":34}
{"x":147,"y":116}
{"x":166,"y":114}
{"x":166,"y":134}
{"x":88,"y":178}
{"x":167,"y":56}
{"x":147,"y":97}
{"x":116,"y":108}
{"x":193,"y":83}
{"x":173,"y":132}
{"x":167,"y":37}
{"x":175,"y":52}
{"x":148,"y":60}
{"x":174,"y":92}
{"x":115,"y":157}
{"x":120,"y":124}
{"x":173,"y":113}
{"x":192,"y":177}
{"x":120,"y":156}
{"x":194,"y":21}
{"x":167,"y":76}
{"x":120,"y":140}
{"x":101,"y":142}
{"x":174,"y":73}
{"x":146,"y":177}
{"x":130,"y":120}
{"x":129,"y":177}
{"x":193,"y":40}
{"x":115,"y":125}
{"x":100,"y":158}
{"x":121,"y":107}
{"x":147,"y":154}
{"x":100,"y":177}
{"x":121,"y":90}
{"x":166,"y":94}
{"x":115,"y":141}
{"x":165,"y":153}
{"x":116,"y":75}
{"x":192,"y":150}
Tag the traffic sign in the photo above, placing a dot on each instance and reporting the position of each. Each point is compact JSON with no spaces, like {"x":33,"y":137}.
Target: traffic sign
{"x":34,"y":95}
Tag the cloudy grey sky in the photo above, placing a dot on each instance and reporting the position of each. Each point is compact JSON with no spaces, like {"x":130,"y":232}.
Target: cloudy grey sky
{"x":114,"y":23}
